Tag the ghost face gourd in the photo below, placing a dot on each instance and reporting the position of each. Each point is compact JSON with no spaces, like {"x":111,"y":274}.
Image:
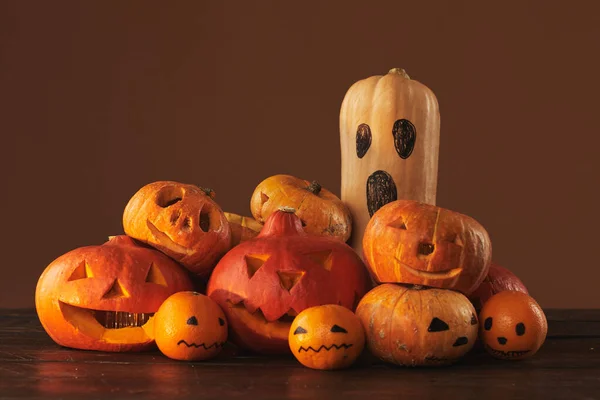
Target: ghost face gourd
{"x":182,"y":221}
{"x":103,"y":297}
{"x":513,"y":325}
{"x":326,"y":337}
{"x":417,"y":326}
{"x":389,"y":134}
{"x":190,"y":326}
{"x":263,"y":283}
{"x":411,"y":242}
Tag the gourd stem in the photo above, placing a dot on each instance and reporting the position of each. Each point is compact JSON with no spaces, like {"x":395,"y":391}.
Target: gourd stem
{"x":207,"y":191}
{"x":314,"y":187}
{"x":399,"y":71}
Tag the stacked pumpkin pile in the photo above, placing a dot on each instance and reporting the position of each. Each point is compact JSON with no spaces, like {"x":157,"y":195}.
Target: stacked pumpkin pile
{"x":286,"y":280}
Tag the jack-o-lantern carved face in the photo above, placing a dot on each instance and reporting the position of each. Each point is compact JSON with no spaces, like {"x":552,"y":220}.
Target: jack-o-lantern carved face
{"x":263,"y":283}
{"x":180,"y":220}
{"x":104,"y":297}
{"x":416,"y":326}
{"x":389,"y":134}
{"x":411,"y":242}
{"x":513,"y":325}
{"x":190,"y":326}
{"x":326,"y":337}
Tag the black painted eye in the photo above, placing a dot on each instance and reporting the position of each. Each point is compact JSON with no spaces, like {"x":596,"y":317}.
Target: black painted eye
{"x":192,"y":321}
{"x":473,"y":319}
{"x":363,"y":140}
{"x":338,"y":329}
{"x":405,"y":136}
{"x":487,"y":325}
{"x":300,"y":330}
{"x":520,"y":329}
{"x":437,"y":325}
{"x":221,"y":321}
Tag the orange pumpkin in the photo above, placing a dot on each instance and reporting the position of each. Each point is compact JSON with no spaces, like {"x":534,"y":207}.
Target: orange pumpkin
{"x":513,"y":325}
{"x":263,"y":283}
{"x":326,"y":337}
{"x":321,"y":212}
{"x":417,"y":326}
{"x":103,"y":297}
{"x":190,"y":326}
{"x":242,"y":228}
{"x":411,"y":242}
{"x":182,"y":221}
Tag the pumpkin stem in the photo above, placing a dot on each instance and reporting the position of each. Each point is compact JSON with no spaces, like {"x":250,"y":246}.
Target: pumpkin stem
{"x":399,"y":71}
{"x":287,"y":209}
{"x":314,"y":187}
{"x":208,"y":191}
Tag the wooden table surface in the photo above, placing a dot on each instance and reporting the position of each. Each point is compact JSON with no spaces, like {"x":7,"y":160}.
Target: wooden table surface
{"x":32,"y":366}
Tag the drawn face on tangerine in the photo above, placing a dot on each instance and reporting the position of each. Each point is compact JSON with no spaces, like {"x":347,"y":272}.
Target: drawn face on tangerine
{"x":513,"y":326}
{"x":190,"y":326}
{"x":326,"y":337}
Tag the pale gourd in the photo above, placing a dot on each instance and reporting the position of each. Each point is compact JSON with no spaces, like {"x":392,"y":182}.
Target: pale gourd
{"x":389,"y":136}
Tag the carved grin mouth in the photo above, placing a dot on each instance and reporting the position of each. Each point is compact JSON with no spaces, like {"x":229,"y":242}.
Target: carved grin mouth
{"x":323,"y":347}
{"x":110,"y":326}
{"x":166,"y":241}
{"x":215,"y":345}
{"x":508,"y":354}
{"x":451,"y":273}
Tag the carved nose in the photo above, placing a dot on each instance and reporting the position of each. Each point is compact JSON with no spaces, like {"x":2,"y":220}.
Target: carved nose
{"x":502,"y":340}
{"x":425,"y":249}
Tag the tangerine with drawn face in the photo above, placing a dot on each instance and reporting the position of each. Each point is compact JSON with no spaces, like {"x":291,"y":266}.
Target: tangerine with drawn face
{"x":104,"y":297}
{"x":263,"y":283}
{"x":417,"y":326}
{"x":190,"y":326}
{"x":417,"y":243}
{"x":326,"y":337}
{"x":182,"y":221}
{"x":513,"y":325}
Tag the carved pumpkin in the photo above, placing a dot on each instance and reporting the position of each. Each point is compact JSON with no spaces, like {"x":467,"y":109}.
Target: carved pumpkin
{"x":103,"y":297}
{"x":263,"y":283}
{"x":190,"y":326}
{"x":180,"y":220}
{"x":326,"y":337}
{"x":417,"y":326}
{"x":321,"y":212}
{"x":498,"y":279}
{"x":242,"y":228}
{"x":411,"y":242}
{"x":513,"y":325}
{"x":389,"y":135}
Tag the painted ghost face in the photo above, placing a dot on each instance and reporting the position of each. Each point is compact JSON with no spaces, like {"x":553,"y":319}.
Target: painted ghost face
{"x":326,"y":337}
{"x":190,"y":326}
{"x":513,"y":326}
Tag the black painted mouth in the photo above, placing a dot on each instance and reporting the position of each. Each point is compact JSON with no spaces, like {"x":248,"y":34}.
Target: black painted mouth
{"x":381,"y":189}
{"x":507,"y":354}
{"x":323,"y":347}
{"x":215,"y":345}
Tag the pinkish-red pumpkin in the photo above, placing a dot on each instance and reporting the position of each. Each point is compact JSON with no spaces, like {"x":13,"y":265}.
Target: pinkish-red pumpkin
{"x":264,"y":282}
{"x":498,"y":279}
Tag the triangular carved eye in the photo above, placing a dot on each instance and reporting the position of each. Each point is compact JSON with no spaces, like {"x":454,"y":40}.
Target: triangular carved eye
{"x":81,"y":272}
{"x":300,"y":330}
{"x":338,"y":329}
{"x":398,"y":223}
{"x":155,"y":276}
{"x":116,"y":290}
{"x":289,"y":279}
{"x":323,"y":258}
{"x":437,"y":325}
{"x":458,"y":241}
{"x":254,"y":262}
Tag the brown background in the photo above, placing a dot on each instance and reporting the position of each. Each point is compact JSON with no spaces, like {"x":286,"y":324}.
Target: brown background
{"x":99,"y":98}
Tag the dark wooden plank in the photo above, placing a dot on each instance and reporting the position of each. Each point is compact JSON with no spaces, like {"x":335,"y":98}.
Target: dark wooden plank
{"x":32,"y":366}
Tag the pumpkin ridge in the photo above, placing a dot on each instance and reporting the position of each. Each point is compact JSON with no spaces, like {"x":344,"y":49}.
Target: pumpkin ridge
{"x":392,"y":324}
